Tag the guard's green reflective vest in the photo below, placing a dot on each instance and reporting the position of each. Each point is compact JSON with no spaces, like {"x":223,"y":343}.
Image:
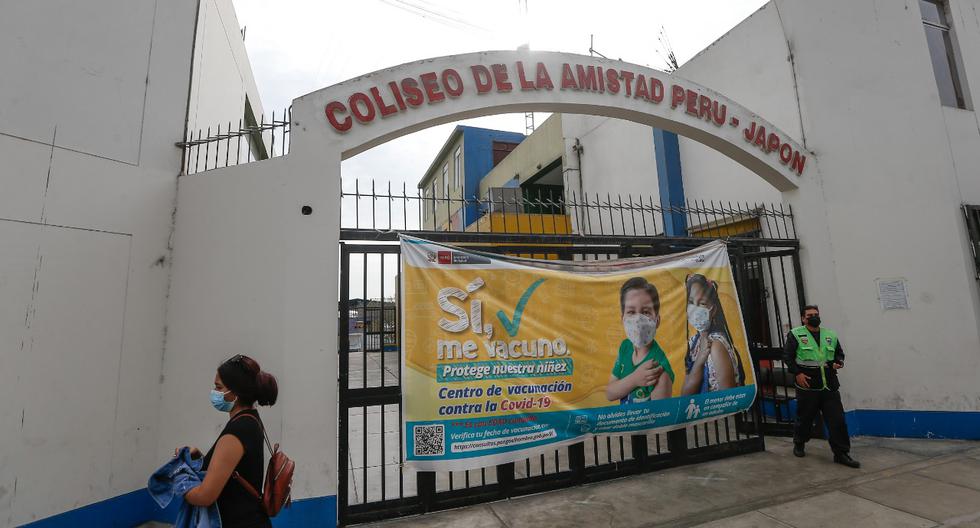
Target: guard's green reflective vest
{"x":810,"y":353}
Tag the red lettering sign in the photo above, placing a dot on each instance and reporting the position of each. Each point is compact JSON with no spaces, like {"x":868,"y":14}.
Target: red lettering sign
{"x":413,"y":96}
{"x":676,"y":95}
{"x":452,"y":82}
{"x":365,"y":114}
{"x":500,"y":77}
{"x":612,"y":81}
{"x":525,"y":84}
{"x":386,"y":109}
{"x":340,"y":126}
{"x":391,"y":97}
{"x":431,"y":87}
{"x":482,"y":78}
{"x":542,"y":79}
{"x":567,"y":78}
{"x":627,"y":81}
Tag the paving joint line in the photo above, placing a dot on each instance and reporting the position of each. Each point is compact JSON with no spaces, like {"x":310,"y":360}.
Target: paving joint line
{"x":780,"y":521}
{"x":936,"y":523}
{"x":934,"y":479}
{"x":497,"y":516}
{"x":808,"y":492}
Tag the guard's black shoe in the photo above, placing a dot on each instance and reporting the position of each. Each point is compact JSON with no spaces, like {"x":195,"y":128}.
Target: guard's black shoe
{"x":846,"y":460}
{"x":798,"y":450}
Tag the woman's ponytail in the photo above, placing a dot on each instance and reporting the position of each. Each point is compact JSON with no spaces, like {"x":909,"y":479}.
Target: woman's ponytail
{"x":244,"y":377}
{"x":266,"y":388}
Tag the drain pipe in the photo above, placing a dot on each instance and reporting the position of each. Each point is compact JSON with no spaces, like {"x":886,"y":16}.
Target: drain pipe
{"x":578,"y":149}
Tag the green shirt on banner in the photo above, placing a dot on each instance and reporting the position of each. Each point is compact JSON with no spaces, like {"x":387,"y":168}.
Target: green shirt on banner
{"x":624,"y":367}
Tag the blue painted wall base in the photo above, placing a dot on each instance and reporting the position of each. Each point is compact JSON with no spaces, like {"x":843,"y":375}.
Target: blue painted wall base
{"x":961,"y":425}
{"x":956,"y":425}
{"x":314,"y":512}
{"x":136,"y":507}
{"x":124,"y":511}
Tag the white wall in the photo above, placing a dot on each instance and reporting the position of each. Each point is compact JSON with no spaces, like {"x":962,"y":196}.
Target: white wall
{"x":88,"y":119}
{"x":221,"y":81}
{"x":898,"y":113}
{"x":93,"y":99}
{"x":751,"y":64}
{"x":620,"y":157}
{"x":222,"y":76}
{"x":253,"y":275}
{"x":56,"y":74}
{"x":226,"y":295}
{"x":618,"y":161}
{"x":892,"y":169}
{"x":887,"y":170}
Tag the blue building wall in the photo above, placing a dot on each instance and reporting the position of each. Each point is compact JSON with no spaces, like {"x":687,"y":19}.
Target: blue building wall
{"x":670,"y":181}
{"x":478,"y":162}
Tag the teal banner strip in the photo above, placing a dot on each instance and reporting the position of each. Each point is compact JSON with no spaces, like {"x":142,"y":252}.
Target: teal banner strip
{"x":494,"y":370}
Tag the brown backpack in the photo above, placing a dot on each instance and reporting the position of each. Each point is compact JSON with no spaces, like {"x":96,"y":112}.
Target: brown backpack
{"x":278,"y":478}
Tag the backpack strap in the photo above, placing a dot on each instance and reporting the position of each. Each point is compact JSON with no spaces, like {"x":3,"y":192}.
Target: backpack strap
{"x":261,"y":426}
{"x":241,"y":480}
{"x":248,"y":487}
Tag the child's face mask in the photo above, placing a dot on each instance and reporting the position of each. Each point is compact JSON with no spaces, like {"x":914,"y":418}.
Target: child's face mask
{"x":698,"y":316}
{"x":640,"y":329}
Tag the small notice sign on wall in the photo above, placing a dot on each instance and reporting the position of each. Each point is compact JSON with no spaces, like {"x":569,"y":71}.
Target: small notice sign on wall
{"x":893,"y":294}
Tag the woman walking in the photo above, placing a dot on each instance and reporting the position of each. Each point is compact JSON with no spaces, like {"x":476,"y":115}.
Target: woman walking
{"x":238,"y":452}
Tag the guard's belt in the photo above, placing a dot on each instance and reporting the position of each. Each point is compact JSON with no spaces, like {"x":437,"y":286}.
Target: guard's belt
{"x":810,"y":363}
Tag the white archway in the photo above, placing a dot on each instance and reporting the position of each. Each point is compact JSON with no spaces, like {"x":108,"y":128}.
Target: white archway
{"x":361,"y":113}
{"x":343,"y":120}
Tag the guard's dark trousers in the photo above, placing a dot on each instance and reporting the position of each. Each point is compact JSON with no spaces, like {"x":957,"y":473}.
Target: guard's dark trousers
{"x":827,"y":402}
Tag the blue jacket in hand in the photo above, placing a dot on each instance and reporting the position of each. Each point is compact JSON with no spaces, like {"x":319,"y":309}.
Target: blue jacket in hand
{"x":174,"y":479}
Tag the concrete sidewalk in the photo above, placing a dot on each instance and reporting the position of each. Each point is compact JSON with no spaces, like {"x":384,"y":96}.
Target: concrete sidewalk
{"x":902,"y":483}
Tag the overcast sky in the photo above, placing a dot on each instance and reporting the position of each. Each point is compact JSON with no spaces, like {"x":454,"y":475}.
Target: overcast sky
{"x":299,"y":46}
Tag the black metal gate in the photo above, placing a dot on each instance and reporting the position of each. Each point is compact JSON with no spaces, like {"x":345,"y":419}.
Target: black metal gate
{"x":372,"y":482}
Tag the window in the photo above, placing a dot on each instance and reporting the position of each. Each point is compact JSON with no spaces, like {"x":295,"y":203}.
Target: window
{"x":972,"y":213}
{"x":445,"y":181}
{"x":457,"y":167}
{"x":942,"y":52}
{"x":501,"y":149}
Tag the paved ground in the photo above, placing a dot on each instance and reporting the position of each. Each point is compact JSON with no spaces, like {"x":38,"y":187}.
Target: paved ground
{"x":903,"y":483}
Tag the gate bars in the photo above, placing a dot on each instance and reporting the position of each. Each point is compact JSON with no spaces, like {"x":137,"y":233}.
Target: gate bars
{"x":370,"y":208}
{"x":373,"y":484}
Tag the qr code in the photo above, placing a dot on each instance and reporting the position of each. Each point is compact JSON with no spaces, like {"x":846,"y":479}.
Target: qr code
{"x":430,"y":440}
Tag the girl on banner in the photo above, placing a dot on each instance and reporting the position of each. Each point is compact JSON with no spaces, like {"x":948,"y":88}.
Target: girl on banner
{"x":641,"y":372}
{"x":711,"y":363}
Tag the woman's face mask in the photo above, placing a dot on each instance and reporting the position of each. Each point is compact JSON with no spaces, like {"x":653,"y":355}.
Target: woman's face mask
{"x":640,"y":329}
{"x":218,"y":401}
{"x":699,"y":317}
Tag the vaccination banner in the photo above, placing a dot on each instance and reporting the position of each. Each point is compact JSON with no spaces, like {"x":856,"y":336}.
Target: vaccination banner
{"x":505,"y":357}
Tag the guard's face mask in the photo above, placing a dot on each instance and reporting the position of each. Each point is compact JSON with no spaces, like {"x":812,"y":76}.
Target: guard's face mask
{"x":640,"y":329}
{"x":813,"y":320}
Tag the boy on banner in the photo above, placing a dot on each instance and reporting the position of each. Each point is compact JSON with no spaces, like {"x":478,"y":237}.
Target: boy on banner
{"x":638,"y":374}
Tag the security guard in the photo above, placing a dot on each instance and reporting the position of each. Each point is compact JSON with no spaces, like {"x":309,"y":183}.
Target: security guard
{"x":813,"y":354}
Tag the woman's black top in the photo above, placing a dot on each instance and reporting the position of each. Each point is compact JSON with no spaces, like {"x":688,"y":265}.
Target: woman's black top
{"x":237,"y":507}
